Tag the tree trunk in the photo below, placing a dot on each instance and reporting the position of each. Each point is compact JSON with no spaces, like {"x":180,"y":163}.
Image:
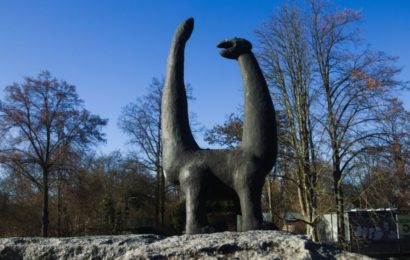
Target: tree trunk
{"x":59,"y":207}
{"x":310,"y":232}
{"x":157,"y":200}
{"x":339,"y":207}
{"x":400,"y":173}
{"x":45,"y":218}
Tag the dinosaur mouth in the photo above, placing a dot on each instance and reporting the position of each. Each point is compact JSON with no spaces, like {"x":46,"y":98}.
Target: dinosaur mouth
{"x":225,"y":44}
{"x":227,"y":47}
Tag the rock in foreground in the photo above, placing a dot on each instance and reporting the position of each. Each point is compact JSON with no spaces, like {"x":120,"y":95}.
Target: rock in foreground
{"x":244,"y":245}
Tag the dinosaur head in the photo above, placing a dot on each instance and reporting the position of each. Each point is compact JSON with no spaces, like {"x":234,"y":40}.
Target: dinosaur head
{"x":233,"y":48}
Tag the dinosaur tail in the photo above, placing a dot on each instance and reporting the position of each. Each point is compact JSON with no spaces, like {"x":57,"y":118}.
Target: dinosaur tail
{"x":176,"y":132}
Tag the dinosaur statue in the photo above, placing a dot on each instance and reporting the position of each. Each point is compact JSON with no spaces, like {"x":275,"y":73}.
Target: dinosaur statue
{"x":202,"y":173}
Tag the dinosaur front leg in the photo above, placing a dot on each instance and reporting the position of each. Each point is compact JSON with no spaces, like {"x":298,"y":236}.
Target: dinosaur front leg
{"x":249,"y":191}
{"x":193,"y":185}
{"x":251,"y":210}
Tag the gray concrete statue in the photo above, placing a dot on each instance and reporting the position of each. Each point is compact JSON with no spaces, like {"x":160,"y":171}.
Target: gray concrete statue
{"x":205,"y":174}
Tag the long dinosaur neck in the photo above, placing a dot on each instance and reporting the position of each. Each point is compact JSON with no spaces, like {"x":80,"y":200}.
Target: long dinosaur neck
{"x":259,"y":128}
{"x":176,"y":132}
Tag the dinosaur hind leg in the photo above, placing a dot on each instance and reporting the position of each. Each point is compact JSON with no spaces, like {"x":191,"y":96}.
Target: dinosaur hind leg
{"x":193,"y":183}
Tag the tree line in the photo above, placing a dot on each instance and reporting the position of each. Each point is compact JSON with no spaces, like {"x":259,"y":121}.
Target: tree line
{"x":52,"y":178}
{"x":343,"y":139}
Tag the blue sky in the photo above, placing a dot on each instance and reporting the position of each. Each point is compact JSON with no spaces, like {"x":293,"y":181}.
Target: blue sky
{"x":111,"y":49}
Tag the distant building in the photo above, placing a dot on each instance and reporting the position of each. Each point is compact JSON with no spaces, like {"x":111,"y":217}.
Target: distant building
{"x":370,"y":231}
{"x":327,"y":228}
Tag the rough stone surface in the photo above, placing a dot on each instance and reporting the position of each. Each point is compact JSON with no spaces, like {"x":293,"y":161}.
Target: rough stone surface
{"x":91,"y":247}
{"x":226,"y":245}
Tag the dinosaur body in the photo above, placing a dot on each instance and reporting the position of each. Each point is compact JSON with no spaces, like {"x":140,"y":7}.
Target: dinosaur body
{"x":202,"y":173}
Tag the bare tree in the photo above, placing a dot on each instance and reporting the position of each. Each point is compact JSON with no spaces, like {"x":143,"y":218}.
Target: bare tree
{"x":380,"y":178}
{"x":328,"y":87}
{"x":394,"y":147}
{"x":287,"y":62}
{"x":38,"y":119}
{"x":352,"y":83}
{"x":141,"y":121}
